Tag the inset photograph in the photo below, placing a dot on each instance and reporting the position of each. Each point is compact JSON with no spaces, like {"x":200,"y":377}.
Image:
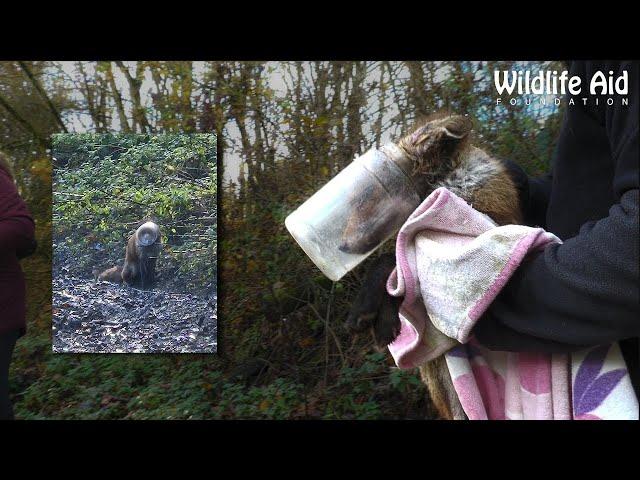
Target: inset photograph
{"x":134,"y":243}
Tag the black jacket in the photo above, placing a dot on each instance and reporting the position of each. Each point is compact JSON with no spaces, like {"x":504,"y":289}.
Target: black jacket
{"x":584,"y":292}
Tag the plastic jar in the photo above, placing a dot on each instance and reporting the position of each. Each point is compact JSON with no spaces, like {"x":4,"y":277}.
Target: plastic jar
{"x":356,"y":211}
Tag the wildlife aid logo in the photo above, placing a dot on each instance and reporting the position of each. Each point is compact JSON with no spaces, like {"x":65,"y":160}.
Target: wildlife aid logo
{"x":522,"y":87}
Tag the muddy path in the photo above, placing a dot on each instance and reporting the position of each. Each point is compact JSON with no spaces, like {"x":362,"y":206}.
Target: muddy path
{"x":101,"y":317}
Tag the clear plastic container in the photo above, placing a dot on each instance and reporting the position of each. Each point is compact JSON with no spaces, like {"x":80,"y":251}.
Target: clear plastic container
{"x":355,"y":212}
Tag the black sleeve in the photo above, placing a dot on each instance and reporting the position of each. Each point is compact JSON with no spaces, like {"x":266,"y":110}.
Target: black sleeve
{"x":533,"y":193}
{"x":539,"y":193}
{"x":585,"y":291}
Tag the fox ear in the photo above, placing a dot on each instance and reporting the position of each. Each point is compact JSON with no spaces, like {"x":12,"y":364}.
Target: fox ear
{"x":435,"y":140}
{"x":457,"y":126}
{"x":431,"y":134}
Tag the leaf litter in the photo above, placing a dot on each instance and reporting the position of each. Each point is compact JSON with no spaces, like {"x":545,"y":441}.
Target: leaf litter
{"x":90,"y":316}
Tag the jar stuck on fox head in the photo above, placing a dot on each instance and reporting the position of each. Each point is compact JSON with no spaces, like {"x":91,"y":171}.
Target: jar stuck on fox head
{"x":437,"y":153}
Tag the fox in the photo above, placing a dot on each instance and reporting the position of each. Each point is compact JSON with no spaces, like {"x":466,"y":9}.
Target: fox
{"x":141,"y":254}
{"x":441,"y":154}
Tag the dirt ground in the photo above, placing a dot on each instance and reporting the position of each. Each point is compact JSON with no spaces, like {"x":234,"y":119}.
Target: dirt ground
{"x":100,"y":317}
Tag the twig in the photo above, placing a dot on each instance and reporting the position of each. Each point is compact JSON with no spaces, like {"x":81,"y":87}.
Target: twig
{"x":335,"y":338}
{"x":326,"y":335}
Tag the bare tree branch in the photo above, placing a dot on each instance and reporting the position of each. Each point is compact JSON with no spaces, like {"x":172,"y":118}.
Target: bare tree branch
{"x":20,"y":119}
{"x":43,"y":94}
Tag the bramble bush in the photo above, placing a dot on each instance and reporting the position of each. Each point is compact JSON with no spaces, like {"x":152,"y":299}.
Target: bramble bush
{"x":106,"y":184}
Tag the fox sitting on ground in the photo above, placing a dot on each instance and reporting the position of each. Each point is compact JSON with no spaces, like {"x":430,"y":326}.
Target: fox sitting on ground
{"x":442,"y":156}
{"x":140,"y":259}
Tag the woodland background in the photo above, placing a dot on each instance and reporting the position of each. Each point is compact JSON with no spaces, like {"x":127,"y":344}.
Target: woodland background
{"x":283,"y":129}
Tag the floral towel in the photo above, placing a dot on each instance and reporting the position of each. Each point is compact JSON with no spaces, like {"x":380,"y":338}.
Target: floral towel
{"x":452,"y":261}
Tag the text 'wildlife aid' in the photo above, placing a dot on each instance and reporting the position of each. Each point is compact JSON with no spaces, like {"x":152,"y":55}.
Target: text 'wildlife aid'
{"x":546,"y":83}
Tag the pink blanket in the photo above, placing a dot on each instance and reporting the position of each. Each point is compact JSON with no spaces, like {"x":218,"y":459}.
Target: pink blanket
{"x":452,"y":261}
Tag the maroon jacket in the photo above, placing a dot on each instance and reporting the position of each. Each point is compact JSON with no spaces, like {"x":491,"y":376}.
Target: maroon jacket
{"x":17,"y":231}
